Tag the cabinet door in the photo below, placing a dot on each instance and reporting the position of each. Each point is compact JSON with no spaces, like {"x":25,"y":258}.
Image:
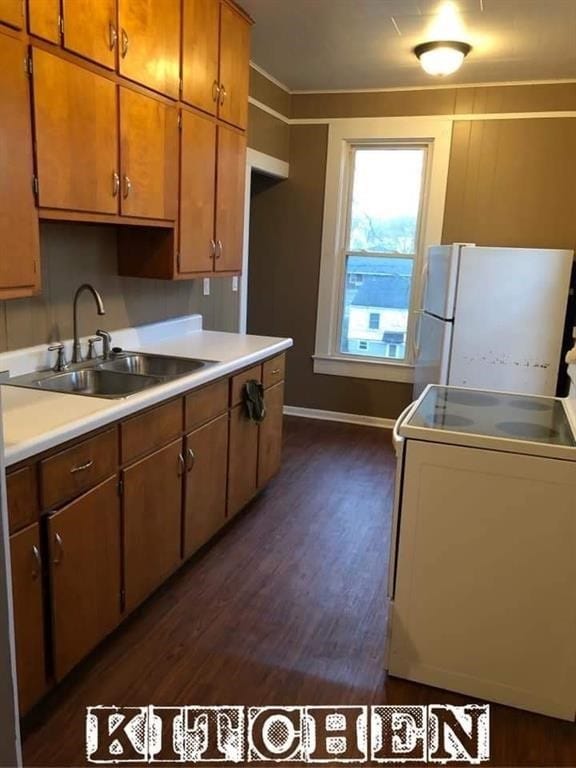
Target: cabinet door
{"x":44,"y":19}
{"x":84,"y":543}
{"x":149,"y":156}
{"x":76,"y":136}
{"x":230,"y":186}
{"x":90,"y":29}
{"x":234,"y":67}
{"x":150,"y":43}
{"x":270,"y":443}
{"x":28,"y":615}
{"x":152,"y":521}
{"x":197,"y":193}
{"x":242,"y":460}
{"x":200,"y":38}
{"x":12,"y":13}
{"x":205,"y":500}
{"x":18,"y":217}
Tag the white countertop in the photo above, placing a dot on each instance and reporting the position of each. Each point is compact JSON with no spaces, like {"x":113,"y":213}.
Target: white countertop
{"x":35,"y":421}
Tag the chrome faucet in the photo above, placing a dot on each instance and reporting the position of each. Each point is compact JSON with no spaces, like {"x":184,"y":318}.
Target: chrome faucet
{"x":76,"y":349}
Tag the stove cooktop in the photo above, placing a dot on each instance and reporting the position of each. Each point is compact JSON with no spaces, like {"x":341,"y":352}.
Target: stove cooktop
{"x":493,"y":414}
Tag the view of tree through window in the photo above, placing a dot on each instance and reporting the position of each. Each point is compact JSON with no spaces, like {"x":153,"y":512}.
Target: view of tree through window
{"x":384,"y":216}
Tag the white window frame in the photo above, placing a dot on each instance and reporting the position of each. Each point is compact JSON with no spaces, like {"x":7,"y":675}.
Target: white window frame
{"x":436,"y":135}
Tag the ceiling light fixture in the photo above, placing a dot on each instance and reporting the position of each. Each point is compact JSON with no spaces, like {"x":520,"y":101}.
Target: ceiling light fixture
{"x":442,"y":57}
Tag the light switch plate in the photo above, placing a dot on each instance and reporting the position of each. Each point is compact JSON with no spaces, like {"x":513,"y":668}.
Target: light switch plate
{"x":235,"y":283}
{"x":206,"y":286}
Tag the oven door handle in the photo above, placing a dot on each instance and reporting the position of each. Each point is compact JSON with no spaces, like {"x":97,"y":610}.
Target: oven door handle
{"x":396,"y":438}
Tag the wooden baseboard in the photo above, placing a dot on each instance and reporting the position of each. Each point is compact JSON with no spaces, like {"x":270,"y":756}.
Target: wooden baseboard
{"x":345,"y":418}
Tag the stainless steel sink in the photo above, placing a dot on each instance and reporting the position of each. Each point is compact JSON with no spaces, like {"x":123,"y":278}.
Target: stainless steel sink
{"x":124,"y":374}
{"x":161,"y":366}
{"x":90,"y":381}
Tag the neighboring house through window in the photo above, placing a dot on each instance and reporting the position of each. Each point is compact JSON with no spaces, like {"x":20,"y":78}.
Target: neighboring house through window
{"x":385,"y":190}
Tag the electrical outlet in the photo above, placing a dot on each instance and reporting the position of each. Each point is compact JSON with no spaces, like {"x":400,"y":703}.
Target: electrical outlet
{"x":235,"y":283}
{"x":206,"y":286}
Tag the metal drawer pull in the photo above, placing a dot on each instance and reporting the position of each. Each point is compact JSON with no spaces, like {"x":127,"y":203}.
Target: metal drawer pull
{"x":38,"y":562}
{"x":220,"y":249}
{"x":192,"y":456}
{"x":113,"y":36}
{"x":276,"y":371}
{"x":213,"y":249}
{"x":115,"y":184}
{"x":215,"y":91}
{"x":125,"y":42}
{"x":60,"y":555}
{"x":223,"y":94}
{"x":181,"y":465}
{"x":82,"y":467}
{"x":127,"y":187}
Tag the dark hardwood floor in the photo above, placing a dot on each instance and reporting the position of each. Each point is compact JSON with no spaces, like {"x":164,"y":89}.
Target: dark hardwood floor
{"x":288,"y":606}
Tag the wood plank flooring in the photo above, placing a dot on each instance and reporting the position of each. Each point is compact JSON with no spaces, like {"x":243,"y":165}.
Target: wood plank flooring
{"x":286,"y":607}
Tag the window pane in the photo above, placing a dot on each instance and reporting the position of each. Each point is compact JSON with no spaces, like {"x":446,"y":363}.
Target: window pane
{"x":386,"y":199}
{"x":376,"y":302}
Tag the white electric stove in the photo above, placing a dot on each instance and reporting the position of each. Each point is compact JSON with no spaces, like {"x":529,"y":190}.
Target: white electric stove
{"x":482,"y":581}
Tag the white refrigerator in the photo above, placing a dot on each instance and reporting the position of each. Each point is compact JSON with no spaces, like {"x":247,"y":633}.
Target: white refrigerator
{"x":492,"y":318}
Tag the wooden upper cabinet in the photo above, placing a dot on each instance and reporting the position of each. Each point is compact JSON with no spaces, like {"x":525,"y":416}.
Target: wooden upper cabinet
{"x":149,"y":43}
{"x":200,"y":44}
{"x":76,"y":136}
{"x":44,"y":19}
{"x":90,"y":29}
{"x":149,"y":156}
{"x":230,"y":186}
{"x":19,"y":235}
{"x":85,"y":569}
{"x":197,"y":193}
{"x":12,"y":13}
{"x":28,"y":615}
{"x":234,"y":66}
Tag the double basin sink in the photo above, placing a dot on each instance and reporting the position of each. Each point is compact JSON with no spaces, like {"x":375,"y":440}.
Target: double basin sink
{"x":122,"y":375}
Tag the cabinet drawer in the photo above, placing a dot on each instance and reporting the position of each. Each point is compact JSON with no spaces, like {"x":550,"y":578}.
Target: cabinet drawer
{"x":22,"y":498}
{"x":239,"y":381}
{"x":149,"y":431}
{"x":273,"y":371}
{"x":68,"y":473}
{"x":205,"y":404}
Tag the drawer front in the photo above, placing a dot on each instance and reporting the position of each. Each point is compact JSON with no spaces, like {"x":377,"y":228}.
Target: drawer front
{"x":206,"y":404}
{"x":68,"y":473}
{"x":22,"y":498}
{"x":239,"y":381}
{"x":149,"y":431}
{"x":274,"y":371}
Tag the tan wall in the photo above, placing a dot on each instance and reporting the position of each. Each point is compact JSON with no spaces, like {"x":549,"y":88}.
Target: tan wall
{"x":73,"y":254}
{"x":268,"y":134}
{"x":265,"y":91}
{"x":511,"y":182}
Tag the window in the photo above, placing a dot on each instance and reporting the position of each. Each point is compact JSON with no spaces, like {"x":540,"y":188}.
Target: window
{"x":385,"y":190}
{"x":384,"y":211}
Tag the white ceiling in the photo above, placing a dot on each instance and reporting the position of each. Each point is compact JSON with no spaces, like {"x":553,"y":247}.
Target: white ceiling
{"x":316,"y":45}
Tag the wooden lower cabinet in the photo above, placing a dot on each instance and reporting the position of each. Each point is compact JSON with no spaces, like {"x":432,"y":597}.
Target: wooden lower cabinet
{"x":27,"y":594}
{"x":205,"y":492}
{"x":270,"y":439}
{"x":242,"y":460}
{"x":152,"y":521}
{"x":84,"y":548}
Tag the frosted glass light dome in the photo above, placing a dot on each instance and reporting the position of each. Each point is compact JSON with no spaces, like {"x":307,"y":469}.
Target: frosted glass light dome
{"x":442,"y":57}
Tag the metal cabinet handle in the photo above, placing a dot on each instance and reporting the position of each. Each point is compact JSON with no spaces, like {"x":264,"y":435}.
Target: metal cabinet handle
{"x":215,"y":91}
{"x":223,"y":93}
{"x":82,"y":467}
{"x":37,"y":562}
{"x":127,"y":187}
{"x":113,"y":36}
{"x":213,"y":249}
{"x":192,"y":459}
{"x":125,"y":42}
{"x":219,"y":249}
{"x":276,"y":371}
{"x":181,"y":465}
{"x":58,"y":558}
{"x":115,"y":184}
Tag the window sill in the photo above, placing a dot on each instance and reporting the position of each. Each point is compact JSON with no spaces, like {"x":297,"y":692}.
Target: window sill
{"x":357,"y":368}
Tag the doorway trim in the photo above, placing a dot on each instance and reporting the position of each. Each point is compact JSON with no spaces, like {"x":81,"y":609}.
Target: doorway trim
{"x":277,"y":169}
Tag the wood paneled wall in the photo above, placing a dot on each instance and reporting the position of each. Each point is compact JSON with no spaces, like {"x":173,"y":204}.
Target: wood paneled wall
{"x":77,"y":253}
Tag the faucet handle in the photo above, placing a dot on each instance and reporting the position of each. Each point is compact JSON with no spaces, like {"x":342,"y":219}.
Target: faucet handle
{"x":92,"y":341}
{"x":61,"y":362}
{"x":106,"y":342}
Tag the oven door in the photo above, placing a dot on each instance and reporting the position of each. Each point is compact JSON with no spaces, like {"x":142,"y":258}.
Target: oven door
{"x":399,"y":444}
